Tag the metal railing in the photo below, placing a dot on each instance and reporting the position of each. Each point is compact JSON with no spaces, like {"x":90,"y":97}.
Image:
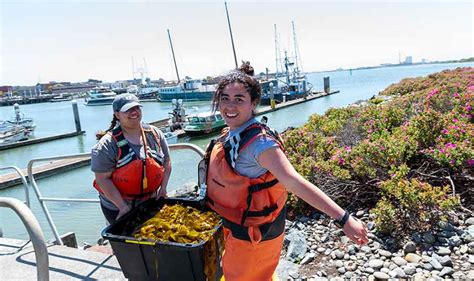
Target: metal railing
{"x":35,"y":233}
{"x":42,"y":200}
{"x":23,"y":181}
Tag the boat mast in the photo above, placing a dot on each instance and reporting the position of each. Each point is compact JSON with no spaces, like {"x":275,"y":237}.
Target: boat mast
{"x":231,"y":37}
{"x":277,"y":51}
{"x":297,"y":62}
{"x":174,"y":59}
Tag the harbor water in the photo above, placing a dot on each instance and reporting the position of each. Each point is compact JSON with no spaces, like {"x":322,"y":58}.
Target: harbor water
{"x":86,"y":219}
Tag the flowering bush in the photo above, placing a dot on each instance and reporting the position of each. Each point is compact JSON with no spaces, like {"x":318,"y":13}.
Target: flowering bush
{"x":423,"y":124}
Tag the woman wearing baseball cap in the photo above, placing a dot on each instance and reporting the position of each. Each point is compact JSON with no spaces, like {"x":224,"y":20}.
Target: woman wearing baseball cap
{"x":131,"y":160}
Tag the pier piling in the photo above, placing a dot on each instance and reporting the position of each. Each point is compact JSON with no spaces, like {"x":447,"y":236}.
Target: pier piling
{"x":327,"y":87}
{"x":76,"y":116}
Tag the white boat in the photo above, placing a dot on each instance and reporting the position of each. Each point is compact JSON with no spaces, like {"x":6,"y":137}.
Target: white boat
{"x":18,"y":122}
{"x":100,"y":96}
{"x":13,"y":134}
{"x":171,"y":137}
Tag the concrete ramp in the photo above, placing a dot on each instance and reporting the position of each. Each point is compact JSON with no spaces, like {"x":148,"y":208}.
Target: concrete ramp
{"x":19,"y":263}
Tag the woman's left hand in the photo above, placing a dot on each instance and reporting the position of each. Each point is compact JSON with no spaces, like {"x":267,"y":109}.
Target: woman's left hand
{"x":160,"y":192}
{"x":356,"y":231}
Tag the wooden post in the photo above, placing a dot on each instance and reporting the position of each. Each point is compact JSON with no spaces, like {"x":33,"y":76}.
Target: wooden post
{"x":327,"y":87}
{"x":272,"y":96}
{"x":76,"y":116}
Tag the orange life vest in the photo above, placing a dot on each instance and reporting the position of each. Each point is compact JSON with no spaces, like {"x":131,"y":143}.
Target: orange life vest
{"x":136,"y":178}
{"x":244,"y":202}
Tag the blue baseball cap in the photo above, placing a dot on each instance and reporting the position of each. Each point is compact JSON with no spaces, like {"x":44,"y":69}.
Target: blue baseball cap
{"x":124,"y":102}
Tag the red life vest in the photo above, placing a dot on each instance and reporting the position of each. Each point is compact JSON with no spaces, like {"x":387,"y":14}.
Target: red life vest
{"x":245,"y":202}
{"x":136,"y":178}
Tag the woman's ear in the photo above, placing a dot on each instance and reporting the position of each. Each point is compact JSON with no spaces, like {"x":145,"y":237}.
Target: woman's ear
{"x":116,"y":114}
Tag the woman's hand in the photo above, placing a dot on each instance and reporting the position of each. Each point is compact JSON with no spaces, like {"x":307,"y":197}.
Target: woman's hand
{"x":123,"y":209}
{"x":160,"y":192}
{"x":356,"y":231}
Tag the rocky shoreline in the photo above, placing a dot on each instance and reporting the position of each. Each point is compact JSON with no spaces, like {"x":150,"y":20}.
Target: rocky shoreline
{"x":316,"y":250}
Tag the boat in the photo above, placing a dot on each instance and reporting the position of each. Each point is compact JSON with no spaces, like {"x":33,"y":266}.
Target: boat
{"x":100,"y":96}
{"x":171,"y":137}
{"x":144,"y":93}
{"x":61,"y":97}
{"x":204,"y":123}
{"x":13,"y":134}
{"x":188,"y":90}
{"x":11,"y":129}
{"x":290,"y":85}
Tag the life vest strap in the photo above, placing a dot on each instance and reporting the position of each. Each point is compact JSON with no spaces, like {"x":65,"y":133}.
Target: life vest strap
{"x":267,"y":210}
{"x":137,"y":196}
{"x":269,"y":230}
{"x":261,"y":186}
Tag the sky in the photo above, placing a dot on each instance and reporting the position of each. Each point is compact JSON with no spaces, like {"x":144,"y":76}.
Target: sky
{"x":42,"y":41}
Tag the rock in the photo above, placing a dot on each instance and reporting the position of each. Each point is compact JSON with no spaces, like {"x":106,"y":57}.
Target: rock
{"x":409,"y":270}
{"x":469,"y":221}
{"x":338,"y":254}
{"x":351,"y":250}
{"x":429,"y":238}
{"x":413,"y":258}
{"x":348,"y":275}
{"x":341,"y":270}
{"x":338,"y":263}
{"x":307,"y":258}
{"x":376,"y":264}
{"x":455,"y":241}
{"x":381,"y":276}
{"x":443,"y":251}
{"x":409,"y":247}
{"x":471,"y":259}
{"x":370,"y":225}
{"x":398,"y":272}
{"x":446,"y":271}
{"x":369,"y":270}
{"x":463,"y":249}
{"x":384,"y":253}
{"x":445,"y":260}
{"x":428,"y":266}
{"x":286,"y":269}
{"x":435,"y":264}
{"x":297,"y":247}
{"x":365,"y":249}
{"x":360,"y":214}
{"x":399,"y":261}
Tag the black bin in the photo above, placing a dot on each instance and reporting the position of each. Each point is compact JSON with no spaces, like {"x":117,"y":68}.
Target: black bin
{"x":164,"y":261}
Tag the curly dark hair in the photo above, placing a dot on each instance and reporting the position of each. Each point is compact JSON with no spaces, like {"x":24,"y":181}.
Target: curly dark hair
{"x":243,"y":75}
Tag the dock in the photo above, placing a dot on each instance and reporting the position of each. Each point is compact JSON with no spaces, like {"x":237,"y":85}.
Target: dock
{"x":65,"y":263}
{"x":40,"y":140}
{"x":45,"y":170}
{"x":311,"y":96}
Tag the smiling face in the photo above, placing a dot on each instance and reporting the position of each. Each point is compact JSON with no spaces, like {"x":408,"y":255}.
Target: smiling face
{"x":131,"y":118}
{"x":236,"y":105}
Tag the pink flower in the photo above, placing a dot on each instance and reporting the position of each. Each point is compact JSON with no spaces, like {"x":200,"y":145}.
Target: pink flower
{"x":444,"y":132}
{"x":470,"y":162}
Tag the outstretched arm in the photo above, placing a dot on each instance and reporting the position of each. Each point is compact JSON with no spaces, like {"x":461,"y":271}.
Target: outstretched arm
{"x":275,"y":161}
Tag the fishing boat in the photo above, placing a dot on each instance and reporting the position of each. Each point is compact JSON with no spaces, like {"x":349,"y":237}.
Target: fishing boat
{"x":144,"y":93}
{"x":204,"y":123}
{"x":19,"y":123}
{"x":290,"y":85}
{"x":189,"y":90}
{"x":100,"y":96}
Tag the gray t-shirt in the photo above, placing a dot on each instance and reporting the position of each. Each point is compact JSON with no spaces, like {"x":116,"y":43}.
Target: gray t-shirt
{"x":246,"y":163}
{"x":104,"y":156}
